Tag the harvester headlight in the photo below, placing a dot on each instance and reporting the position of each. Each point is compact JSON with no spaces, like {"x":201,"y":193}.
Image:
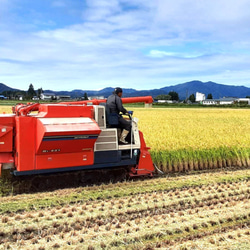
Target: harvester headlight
{"x":135,"y":152}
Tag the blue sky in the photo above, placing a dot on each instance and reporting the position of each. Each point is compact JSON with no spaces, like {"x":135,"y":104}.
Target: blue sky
{"x":141,"y":44}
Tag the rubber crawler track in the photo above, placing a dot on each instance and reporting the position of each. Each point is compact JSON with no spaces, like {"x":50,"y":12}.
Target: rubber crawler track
{"x":50,"y":182}
{"x":40,"y":183}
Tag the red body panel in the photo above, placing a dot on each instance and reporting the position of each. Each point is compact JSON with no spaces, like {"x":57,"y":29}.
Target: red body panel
{"x":69,"y":135}
{"x":44,"y":145}
{"x":6,"y":133}
{"x":64,"y":160}
{"x":58,"y":136}
{"x":25,"y":143}
{"x":6,"y":138}
{"x":6,"y":158}
{"x":145,"y":165}
{"x":60,"y":110}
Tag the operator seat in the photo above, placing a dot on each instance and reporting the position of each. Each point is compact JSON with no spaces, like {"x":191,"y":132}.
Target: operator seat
{"x":111,"y":118}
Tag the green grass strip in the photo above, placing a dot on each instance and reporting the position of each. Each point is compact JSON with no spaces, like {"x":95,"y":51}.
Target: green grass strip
{"x":29,"y":202}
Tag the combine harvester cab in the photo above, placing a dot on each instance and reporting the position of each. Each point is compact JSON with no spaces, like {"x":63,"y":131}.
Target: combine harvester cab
{"x":73,"y":136}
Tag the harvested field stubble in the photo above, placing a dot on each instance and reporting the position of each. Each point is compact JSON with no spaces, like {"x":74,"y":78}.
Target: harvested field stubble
{"x":193,"y":139}
{"x":190,"y":211}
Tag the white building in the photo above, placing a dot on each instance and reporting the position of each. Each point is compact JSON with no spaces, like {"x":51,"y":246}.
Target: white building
{"x":48,"y":96}
{"x":221,"y":101}
{"x":227,"y":101}
{"x":244,"y":100}
{"x":165,"y":101}
{"x":199,"y":97}
{"x":210,"y":102}
{"x":98,"y":97}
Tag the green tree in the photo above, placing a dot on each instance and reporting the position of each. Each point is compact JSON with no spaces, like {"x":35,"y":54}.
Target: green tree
{"x":174,"y":96}
{"x":31,"y":91}
{"x":14,"y":94}
{"x":39,"y":92}
{"x":8,"y":93}
{"x":209,"y":96}
{"x":248,"y":96}
{"x":85,"y":96}
{"x":192,"y":98}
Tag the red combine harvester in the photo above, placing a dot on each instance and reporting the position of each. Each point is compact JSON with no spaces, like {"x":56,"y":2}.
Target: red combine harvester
{"x":69,"y":136}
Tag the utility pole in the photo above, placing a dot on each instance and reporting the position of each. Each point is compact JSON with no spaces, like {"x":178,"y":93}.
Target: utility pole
{"x":186,"y":95}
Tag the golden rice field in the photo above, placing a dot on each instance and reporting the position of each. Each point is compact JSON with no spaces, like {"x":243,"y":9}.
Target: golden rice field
{"x":192,"y":139}
{"x":184,"y":139}
{"x":5,"y":109}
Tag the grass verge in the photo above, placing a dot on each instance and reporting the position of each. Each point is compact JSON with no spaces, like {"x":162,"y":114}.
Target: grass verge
{"x":27,"y":202}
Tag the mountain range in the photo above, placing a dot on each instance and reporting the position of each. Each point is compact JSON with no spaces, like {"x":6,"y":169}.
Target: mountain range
{"x":184,"y":90}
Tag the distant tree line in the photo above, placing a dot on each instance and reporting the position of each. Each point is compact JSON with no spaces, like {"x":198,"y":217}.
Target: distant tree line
{"x":25,"y":95}
{"x":171,"y":96}
{"x":31,"y":94}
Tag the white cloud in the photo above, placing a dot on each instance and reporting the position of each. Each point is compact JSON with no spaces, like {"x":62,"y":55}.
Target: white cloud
{"x":221,"y":19}
{"x":142,"y":44}
{"x":158,"y":53}
{"x":161,"y":53}
{"x":59,"y":3}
